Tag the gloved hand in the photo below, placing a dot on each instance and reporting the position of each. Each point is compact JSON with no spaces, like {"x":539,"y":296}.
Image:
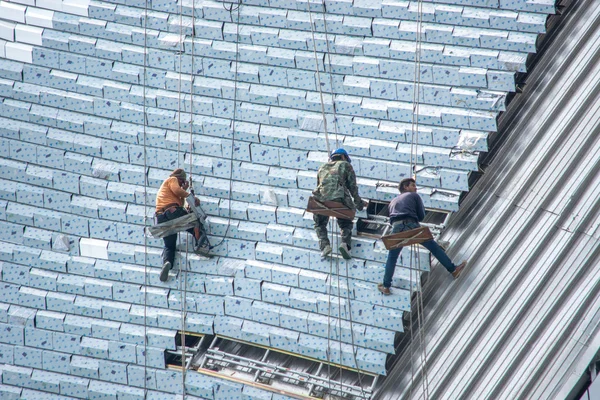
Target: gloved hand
{"x":361,"y":205}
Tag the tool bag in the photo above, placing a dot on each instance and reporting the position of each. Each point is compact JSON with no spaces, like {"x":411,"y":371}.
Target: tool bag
{"x":406,"y":238}
{"x":329,"y":208}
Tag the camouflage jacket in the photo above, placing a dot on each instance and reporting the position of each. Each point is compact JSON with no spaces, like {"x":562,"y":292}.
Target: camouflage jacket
{"x":337,"y":180}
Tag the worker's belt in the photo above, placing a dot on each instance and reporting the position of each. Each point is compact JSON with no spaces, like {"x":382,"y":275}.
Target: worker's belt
{"x":168,"y":208}
{"x":404,"y":220}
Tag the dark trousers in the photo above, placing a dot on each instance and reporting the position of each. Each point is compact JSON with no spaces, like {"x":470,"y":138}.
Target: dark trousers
{"x":171,"y":240}
{"x":431,"y":245}
{"x":321,"y":222}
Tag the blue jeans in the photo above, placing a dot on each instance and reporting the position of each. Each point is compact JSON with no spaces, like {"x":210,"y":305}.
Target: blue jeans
{"x":431,"y":245}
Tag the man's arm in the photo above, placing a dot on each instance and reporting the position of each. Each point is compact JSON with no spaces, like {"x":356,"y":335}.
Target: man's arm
{"x":177,"y":190}
{"x":420,"y":207}
{"x":353,"y":187}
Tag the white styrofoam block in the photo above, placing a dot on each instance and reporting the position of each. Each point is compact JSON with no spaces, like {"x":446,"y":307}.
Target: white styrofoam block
{"x":219,"y":285}
{"x":55,"y":5}
{"x":277,"y":294}
{"x":93,"y":248}
{"x":371,"y":360}
{"x":12,"y":334}
{"x":266,"y":313}
{"x":303,"y":300}
{"x":255,"y":333}
{"x":12,"y":12}
{"x":228,"y":326}
{"x":77,"y":7}
{"x":238,"y":307}
{"x":19,"y":52}
{"x":285,"y":275}
{"x":246,"y":287}
{"x":28,"y":34}
{"x":38,"y":17}
{"x":7,"y":30}
{"x":49,"y":320}
{"x":312,"y":346}
{"x":210,"y":304}
{"x":312,"y":280}
{"x":258,"y":270}
{"x":12,"y":393}
{"x":16,"y":376}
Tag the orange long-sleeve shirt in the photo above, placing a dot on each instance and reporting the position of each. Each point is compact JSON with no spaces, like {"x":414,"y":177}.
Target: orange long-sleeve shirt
{"x":170,"y":193}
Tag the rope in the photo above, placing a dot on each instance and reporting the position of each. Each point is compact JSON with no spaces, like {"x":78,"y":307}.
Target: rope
{"x":233,"y":121}
{"x":145,"y":205}
{"x":334,"y":238}
{"x":329,"y":302}
{"x":182,"y":274}
{"x":414,"y":252}
{"x":335,"y":127}
{"x":412,"y":364}
{"x":360,"y":383}
{"x":416,"y":91}
{"x":421,"y":311}
{"x":312,"y":30}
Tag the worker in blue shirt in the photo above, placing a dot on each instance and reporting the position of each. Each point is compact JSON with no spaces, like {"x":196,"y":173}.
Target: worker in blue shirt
{"x":406,"y":211}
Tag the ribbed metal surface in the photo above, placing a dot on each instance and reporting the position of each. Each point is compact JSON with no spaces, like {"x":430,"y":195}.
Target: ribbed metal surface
{"x":523,"y":322}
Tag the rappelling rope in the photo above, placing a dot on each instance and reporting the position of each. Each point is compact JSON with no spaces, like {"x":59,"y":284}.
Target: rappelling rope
{"x":145,"y":205}
{"x":183,"y":269}
{"x":334,"y":237}
{"x":233,"y":120}
{"x":414,"y":252}
{"x":312,"y":30}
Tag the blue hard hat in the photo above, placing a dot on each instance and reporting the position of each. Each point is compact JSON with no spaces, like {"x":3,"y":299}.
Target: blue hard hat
{"x":342,"y":152}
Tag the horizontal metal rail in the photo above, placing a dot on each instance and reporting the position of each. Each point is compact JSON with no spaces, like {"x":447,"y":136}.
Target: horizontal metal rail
{"x":344,"y":389}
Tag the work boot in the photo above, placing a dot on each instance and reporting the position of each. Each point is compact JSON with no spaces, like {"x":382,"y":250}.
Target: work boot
{"x":459,"y":269}
{"x":164,"y":272}
{"x":383,"y":289}
{"x":326,"y":251}
{"x":345,"y":251}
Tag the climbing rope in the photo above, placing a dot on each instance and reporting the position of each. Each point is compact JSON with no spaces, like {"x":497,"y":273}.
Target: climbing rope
{"x":312,"y":30}
{"x":333,"y":103}
{"x":233,"y":120}
{"x":414,"y":251}
{"x":145,"y":203}
{"x":421,"y":315}
{"x":354,"y":349}
{"x":184,"y":267}
{"x":416,"y":90}
{"x":180,"y":275}
{"x":330,"y":223}
{"x":334,"y":237}
{"x":329,"y":289}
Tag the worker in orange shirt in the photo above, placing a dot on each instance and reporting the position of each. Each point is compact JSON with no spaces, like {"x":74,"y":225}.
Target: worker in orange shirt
{"x":169,"y":205}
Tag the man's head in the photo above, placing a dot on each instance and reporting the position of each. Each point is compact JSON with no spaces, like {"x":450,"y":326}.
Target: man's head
{"x":179,"y":173}
{"x":408,"y":185}
{"x":340,"y":155}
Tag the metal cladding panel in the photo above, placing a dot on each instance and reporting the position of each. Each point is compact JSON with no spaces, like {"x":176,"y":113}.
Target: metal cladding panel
{"x":522,"y":321}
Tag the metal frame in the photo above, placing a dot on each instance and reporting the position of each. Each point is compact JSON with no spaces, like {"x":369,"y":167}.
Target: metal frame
{"x":265,"y":373}
{"x":190,"y":352}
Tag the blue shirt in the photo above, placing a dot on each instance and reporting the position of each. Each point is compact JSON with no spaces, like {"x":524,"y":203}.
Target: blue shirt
{"x":407,"y":205}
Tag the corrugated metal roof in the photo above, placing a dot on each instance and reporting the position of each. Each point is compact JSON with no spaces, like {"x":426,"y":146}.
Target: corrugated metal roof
{"x":524,"y":320}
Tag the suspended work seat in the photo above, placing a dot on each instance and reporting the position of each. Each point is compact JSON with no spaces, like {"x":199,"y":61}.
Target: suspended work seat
{"x":406,"y":238}
{"x":329,"y":208}
{"x":181,"y":224}
{"x":173,"y":226}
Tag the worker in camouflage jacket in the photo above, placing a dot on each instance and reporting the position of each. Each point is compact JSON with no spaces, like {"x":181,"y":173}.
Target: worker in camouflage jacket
{"x":336,"y":181}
